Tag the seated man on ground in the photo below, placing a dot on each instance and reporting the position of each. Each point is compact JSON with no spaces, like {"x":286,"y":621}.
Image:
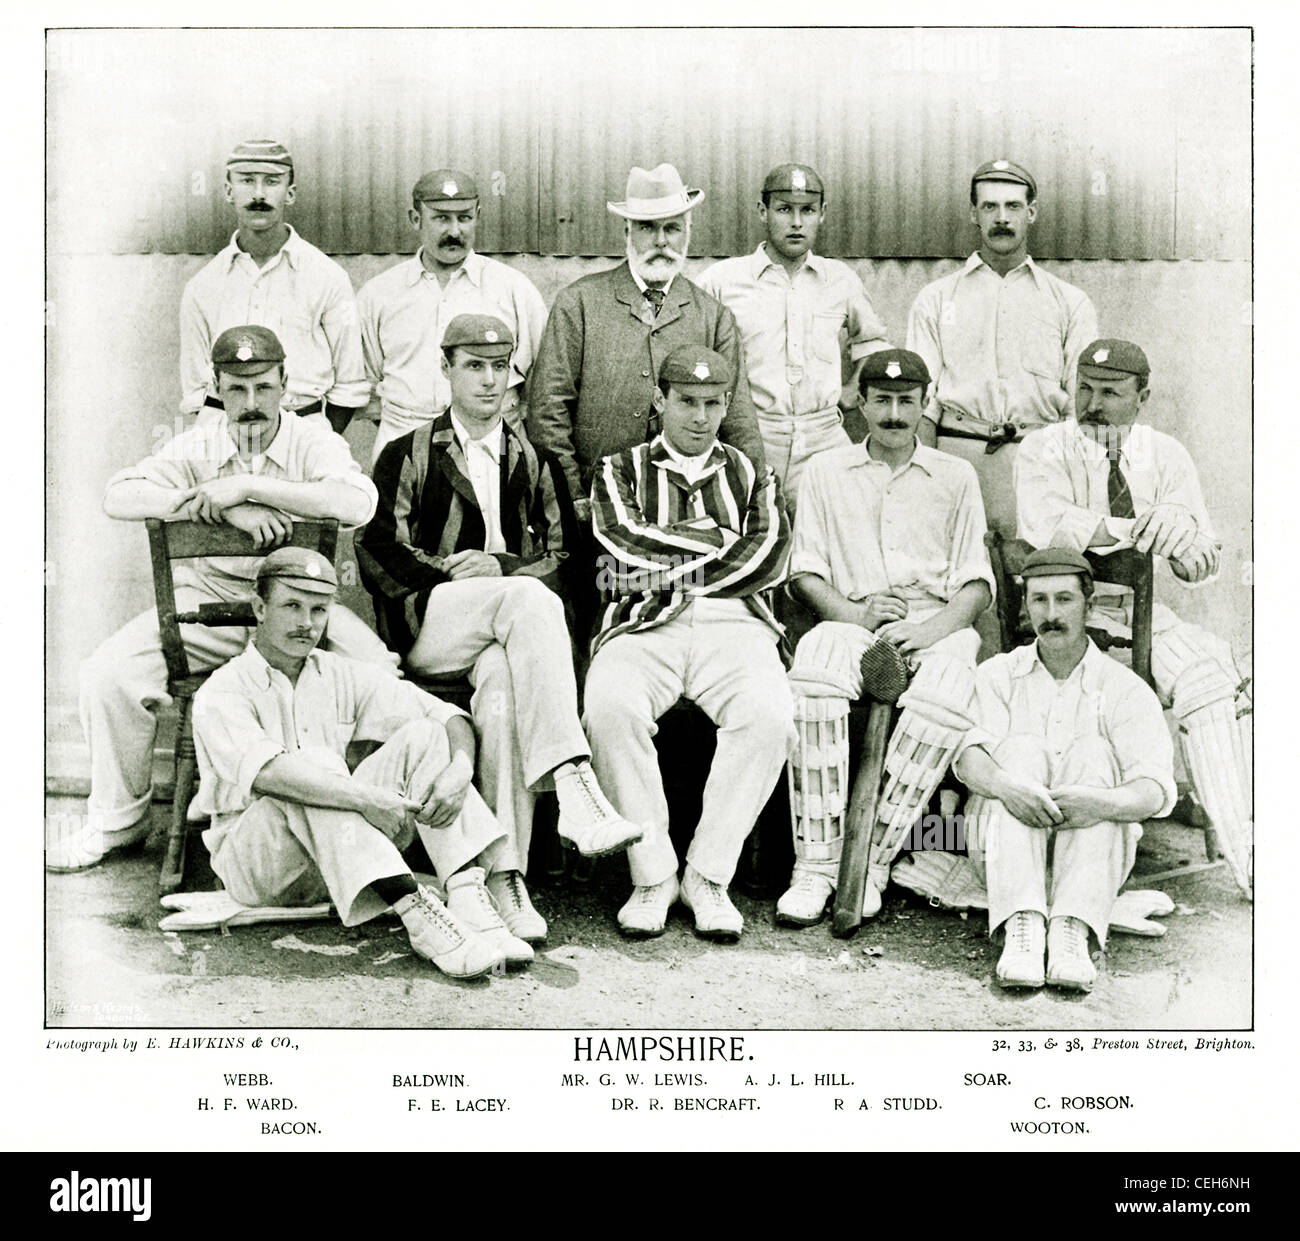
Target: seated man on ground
{"x":1069,"y":754}
{"x":889,"y":553}
{"x":253,"y":465}
{"x":473,"y":525}
{"x":290,"y":824}
{"x":691,"y":535}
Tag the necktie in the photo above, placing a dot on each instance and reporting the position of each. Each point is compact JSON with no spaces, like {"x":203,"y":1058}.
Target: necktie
{"x":656,"y":299}
{"x":1117,"y":492}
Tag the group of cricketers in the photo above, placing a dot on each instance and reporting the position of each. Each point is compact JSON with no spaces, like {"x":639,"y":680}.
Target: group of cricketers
{"x":656,"y":476}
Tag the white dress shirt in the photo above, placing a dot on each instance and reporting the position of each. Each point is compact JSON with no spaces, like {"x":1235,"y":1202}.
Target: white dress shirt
{"x":302,"y":295}
{"x":483,"y":459}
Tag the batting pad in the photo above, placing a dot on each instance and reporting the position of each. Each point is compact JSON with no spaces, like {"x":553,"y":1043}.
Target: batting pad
{"x":828,"y":661}
{"x":1213,"y":753}
{"x":209,"y":911}
{"x":819,"y":777}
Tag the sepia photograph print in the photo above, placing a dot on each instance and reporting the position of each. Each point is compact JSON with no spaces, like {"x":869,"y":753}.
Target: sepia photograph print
{"x":718,"y":529}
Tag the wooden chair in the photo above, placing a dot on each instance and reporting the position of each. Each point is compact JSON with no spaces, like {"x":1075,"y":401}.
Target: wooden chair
{"x":184,"y":540}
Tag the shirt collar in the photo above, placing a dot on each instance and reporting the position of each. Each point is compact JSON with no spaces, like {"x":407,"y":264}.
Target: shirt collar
{"x":641,"y":284}
{"x":1138,"y":444}
{"x":277,"y":450}
{"x":975,"y":262}
{"x":292,"y":249}
{"x":490,"y":443}
{"x":264,"y":674}
{"x":689,"y":465}
{"x":923,"y":457}
{"x":471,"y":269}
{"x":760,"y":262}
{"x":666,"y":456}
{"x":1025,"y":659}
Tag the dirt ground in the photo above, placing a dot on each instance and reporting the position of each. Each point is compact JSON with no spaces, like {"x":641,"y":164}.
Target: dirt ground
{"x":910,"y":968}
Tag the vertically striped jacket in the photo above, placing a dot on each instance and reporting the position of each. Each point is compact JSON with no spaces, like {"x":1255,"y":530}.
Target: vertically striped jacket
{"x":427,"y":511}
{"x":663,"y":540}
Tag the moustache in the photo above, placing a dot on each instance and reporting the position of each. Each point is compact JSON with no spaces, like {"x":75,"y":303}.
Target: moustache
{"x":1002,"y":231}
{"x":258,"y":206}
{"x":1051,"y":627}
{"x":892,"y":425}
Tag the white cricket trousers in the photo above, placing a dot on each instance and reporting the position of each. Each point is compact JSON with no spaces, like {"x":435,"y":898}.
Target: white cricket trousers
{"x":728,"y":665}
{"x":510,"y":634}
{"x":283,"y":853}
{"x":1087,"y":865}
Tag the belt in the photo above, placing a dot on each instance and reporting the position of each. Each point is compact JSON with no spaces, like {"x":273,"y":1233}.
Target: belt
{"x":314,"y":408}
{"x":997,"y":434}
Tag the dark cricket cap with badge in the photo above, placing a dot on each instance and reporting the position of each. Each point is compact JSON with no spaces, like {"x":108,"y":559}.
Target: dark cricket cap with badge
{"x":695,"y":364}
{"x":797,"y":182}
{"x":893,"y":369}
{"x":1053,"y":560}
{"x":260,"y":155}
{"x":485,"y":336}
{"x":247,"y":350}
{"x":445,"y":185}
{"x":1004,"y":170}
{"x":301,"y":568}
{"x":1117,"y":356}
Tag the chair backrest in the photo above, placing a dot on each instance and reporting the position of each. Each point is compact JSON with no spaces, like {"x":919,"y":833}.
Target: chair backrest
{"x":184,"y":540}
{"x":1124,"y":568}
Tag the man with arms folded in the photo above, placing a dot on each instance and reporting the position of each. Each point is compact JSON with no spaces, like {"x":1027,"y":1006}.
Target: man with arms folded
{"x":1107,"y":482}
{"x":1069,"y":754}
{"x":406,"y":310}
{"x":292,"y":826}
{"x":792,"y":305}
{"x":889,"y":553}
{"x":254,"y":466}
{"x":472,"y":527}
{"x":270,"y":275}
{"x":691,"y":535}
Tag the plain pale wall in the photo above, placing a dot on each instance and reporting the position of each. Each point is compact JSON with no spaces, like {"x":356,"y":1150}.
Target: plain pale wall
{"x":113,"y":387}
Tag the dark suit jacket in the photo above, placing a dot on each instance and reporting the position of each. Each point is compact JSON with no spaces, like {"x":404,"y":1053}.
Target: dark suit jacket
{"x":427,"y":511}
{"x":590,"y":386}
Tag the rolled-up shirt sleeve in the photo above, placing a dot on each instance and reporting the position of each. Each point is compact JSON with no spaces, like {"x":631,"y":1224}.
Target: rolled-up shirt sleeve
{"x":161,"y":470}
{"x":810,"y":540}
{"x":969,"y":558}
{"x":230,"y":740}
{"x":866,"y":331}
{"x":923,"y":339}
{"x":992,"y":709}
{"x":1135,"y":725}
{"x":341,"y":328}
{"x":328,"y":459}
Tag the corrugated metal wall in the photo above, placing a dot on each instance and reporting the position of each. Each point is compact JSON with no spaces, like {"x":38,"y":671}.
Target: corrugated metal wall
{"x":1138,"y":138}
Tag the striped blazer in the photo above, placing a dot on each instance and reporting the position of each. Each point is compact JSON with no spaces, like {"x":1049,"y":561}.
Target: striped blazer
{"x":427,"y":511}
{"x":663,"y":540}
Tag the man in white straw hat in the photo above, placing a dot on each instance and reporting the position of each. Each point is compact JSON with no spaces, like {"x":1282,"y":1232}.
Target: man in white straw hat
{"x":592,"y":386}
